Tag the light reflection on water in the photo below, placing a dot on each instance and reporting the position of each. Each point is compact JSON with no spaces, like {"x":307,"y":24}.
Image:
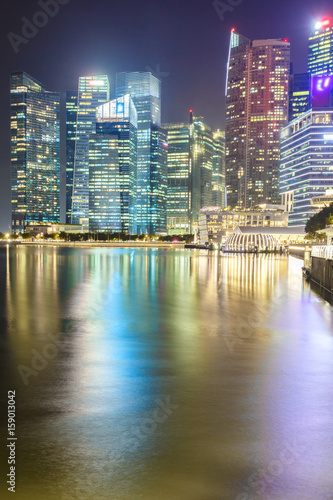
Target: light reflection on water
{"x":177,"y":375}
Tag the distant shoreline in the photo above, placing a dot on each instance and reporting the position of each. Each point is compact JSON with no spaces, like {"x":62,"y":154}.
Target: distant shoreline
{"x":97,"y":244}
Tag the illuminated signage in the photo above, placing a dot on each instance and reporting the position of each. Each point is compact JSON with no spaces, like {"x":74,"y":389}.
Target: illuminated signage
{"x":322,"y":91}
{"x":323,"y":83}
{"x":325,"y":23}
{"x":328,"y":137}
{"x":120,"y":108}
{"x":96,"y":83}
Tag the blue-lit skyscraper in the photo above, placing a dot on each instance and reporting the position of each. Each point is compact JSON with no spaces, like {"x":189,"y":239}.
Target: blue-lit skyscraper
{"x":35,"y":152}
{"x":92,"y":92}
{"x":145,"y":91}
{"x":104,"y":184}
{"x":299,"y":94}
{"x":71,"y":117}
{"x":306,"y":164}
{"x":117,"y":120}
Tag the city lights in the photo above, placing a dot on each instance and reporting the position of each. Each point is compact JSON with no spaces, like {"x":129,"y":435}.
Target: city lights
{"x":96,"y":83}
{"x":325,"y":23}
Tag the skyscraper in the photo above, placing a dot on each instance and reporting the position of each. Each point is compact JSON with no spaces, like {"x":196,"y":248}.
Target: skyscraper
{"x":320,"y":49}
{"x":306,"y":168}
{"x":35,"y":152}
{"x":158,"y":182}
{"x":179,"y":178}
{"x":118,"y":119}
{"x":145,"y":91}
{"x":104,"y":184}
{"x":256,"y":108}
{"x":92,"y":92}
{"x":299,"y":94}
{"x":196,"y":172}
{"x":218,"y":178}
{"x":71,"y":118}
{"x":202,"y":152}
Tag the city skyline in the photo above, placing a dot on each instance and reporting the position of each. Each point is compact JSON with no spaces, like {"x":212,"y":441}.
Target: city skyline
{"x":303,"y":24}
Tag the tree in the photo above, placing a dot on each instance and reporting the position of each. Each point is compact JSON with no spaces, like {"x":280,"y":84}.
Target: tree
{"x":319,"y":220}
{"x":2,"y":236}
{"x":26,"y":236}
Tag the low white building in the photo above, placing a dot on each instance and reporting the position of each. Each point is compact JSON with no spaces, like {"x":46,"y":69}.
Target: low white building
{"x":55,"y":229}
{"x":216,"y":224}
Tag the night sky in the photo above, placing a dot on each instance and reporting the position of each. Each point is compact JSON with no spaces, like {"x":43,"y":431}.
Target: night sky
{"x":185,"y":43}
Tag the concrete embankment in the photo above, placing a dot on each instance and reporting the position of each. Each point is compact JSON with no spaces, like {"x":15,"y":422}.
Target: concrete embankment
{"x":322,"y":273}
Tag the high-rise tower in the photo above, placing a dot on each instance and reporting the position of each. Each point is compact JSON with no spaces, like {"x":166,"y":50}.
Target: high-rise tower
{"x":92,"y":92}
{"x":35,"y":152}
{"x":299,"y":95}
{"x":196,"y":172}
{"x":71,"y":119}
{"x":117,"y":120}
{"x":145,"y":91}
{"x":256,"y":108}
{"x":320,"y":49}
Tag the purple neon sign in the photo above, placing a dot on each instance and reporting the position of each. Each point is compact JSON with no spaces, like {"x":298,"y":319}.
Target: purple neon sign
{"x":322,"y":87}
{"x":324,"y":83}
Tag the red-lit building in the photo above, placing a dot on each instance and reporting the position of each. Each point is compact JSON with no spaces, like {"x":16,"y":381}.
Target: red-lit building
{"x":256,"y":109}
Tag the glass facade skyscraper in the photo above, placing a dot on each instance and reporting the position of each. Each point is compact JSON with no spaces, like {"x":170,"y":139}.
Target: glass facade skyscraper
{"x":306,"y":166}
{"x":202,"y":159}
{"x":145,"y":91}
{"x":104,"y":184}
{"x":218,"y":178}
{"x":71,"y":118}
{"x":299,"y":94}
{"x":179,"y":178}
{"x":92,"y":92}
{"x":320,"y":49}
{"x":256,"y":108}
{"x":158,"y":182}
{"x":196,"y":172}
{"x":207,"y":165}
{"x":118,"y":119}
{"x":35,"y":152}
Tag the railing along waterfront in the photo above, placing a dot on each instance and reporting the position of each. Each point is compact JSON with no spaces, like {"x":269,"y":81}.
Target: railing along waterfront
{"x":322,"y":251}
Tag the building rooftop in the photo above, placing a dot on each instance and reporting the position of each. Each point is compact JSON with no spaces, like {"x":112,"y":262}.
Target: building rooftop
{"x":290,"y":230}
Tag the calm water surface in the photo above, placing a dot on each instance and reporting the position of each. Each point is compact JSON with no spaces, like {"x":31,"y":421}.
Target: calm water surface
{"x":165,"y":375}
